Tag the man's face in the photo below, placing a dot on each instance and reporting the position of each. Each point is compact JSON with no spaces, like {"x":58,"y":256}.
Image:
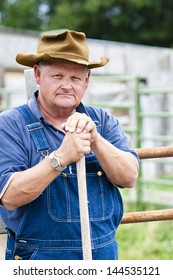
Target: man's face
{"x":62,"y":85}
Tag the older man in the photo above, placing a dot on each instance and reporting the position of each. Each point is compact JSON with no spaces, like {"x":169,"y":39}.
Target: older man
{"x":40,"y":144}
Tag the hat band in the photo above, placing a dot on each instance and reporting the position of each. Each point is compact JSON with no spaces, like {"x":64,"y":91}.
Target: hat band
{"x":66,"y":56}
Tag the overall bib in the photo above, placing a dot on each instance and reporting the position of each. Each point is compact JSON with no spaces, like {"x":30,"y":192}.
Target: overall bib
{"x":50,"y":227}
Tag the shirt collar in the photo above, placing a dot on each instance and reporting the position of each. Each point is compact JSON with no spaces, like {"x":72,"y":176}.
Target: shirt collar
{"x":32,"y":103}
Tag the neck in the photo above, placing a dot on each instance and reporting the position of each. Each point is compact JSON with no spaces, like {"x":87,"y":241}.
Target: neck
{"x":56,"y":118}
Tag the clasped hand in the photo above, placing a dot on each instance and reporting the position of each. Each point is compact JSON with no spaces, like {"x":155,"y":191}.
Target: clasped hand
{"x":81,"y":132}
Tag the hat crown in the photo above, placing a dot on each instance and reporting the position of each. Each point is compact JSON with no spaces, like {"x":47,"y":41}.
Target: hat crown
{"x":70,"y":43}
{"x":68,"y":46}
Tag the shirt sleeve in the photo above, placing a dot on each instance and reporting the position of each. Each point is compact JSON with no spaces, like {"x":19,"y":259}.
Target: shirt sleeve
{"x":13,"y":149}
{"x":113,"y":132}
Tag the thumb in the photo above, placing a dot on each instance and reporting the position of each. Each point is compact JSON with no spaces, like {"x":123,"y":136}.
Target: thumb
{"x":64,"y":127}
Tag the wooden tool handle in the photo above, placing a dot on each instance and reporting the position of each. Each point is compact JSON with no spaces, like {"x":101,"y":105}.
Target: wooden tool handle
{"x":83,"y":205}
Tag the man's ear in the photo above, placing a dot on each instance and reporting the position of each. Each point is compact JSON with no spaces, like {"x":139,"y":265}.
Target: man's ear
{"x":37,"y":73}
{"x":88,"y":77}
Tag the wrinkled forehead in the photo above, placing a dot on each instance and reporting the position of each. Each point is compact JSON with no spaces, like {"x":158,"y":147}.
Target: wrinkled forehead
{"x":63,"y":64}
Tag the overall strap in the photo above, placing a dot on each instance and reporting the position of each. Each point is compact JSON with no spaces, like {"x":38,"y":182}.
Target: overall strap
{"x":35,"y":127}
{"x":90,"y":111}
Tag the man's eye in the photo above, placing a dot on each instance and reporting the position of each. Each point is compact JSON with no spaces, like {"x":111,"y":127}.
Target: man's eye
{"x":76,"y":78}
{"x":57,"y":76}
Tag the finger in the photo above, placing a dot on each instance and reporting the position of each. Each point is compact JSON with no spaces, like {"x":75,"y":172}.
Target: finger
{"x":90,"y":126}
{"x":82,"y":124}
{"x":78,"y":122}
{"x":87,"y":150}
{"x":63,"y":126}
{"x":85,"y":135}
{"x":72,"y":122}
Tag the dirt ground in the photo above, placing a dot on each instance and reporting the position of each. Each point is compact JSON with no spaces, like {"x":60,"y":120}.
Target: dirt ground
{"x":2,"y":246}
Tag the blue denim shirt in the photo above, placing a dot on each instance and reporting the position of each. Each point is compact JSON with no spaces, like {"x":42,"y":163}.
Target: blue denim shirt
{"x":49,"y":227}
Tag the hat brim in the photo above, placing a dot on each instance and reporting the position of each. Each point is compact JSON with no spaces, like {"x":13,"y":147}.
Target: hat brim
{"x":31,"y":59}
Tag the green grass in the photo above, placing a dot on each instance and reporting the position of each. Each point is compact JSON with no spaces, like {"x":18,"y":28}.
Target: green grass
{"x":146,"y":241}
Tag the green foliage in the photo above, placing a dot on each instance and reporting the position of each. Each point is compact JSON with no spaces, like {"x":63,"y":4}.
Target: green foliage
{"x":146,"y":241}
{"x":22,"y":14}
{"x":145,"y":22}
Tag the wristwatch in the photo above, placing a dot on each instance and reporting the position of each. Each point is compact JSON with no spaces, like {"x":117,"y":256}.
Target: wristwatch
{"x":55,"y":162}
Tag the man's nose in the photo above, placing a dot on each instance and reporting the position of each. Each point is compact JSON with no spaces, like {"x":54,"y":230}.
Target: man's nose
{"x":66,"y":84}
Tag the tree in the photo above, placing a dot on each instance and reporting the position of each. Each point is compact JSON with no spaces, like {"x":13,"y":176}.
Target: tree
{"x":21,"y":14}
{"x":146,"y":22}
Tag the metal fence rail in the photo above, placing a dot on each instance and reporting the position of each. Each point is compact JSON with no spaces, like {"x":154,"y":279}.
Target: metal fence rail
{"x":155,"y":152}
{"x":155,"y":215}
{"x":147,"y":216}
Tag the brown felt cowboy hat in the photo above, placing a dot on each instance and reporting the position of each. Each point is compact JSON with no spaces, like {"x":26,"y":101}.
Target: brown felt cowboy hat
{"x":69,"y":46}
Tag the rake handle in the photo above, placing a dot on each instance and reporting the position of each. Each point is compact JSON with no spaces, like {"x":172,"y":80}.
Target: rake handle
{"x":83,"y":205}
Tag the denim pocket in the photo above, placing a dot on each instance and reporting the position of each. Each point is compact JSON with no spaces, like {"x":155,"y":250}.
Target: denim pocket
{"x":63,"y":202}
{"x":100,"y":200}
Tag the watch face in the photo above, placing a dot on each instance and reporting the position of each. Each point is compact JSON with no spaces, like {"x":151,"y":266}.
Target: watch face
{"x":54,"y":162}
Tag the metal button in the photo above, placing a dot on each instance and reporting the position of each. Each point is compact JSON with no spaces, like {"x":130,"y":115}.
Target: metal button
{"x":16,"y":257}
{"x":99,"y":173}
{"x":64,"y":175}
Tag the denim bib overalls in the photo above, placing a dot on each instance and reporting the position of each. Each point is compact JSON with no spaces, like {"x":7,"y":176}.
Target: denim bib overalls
{"x":50,"y":227}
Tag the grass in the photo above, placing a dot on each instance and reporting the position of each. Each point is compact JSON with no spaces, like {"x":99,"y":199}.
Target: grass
{"x":147,"y":240}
